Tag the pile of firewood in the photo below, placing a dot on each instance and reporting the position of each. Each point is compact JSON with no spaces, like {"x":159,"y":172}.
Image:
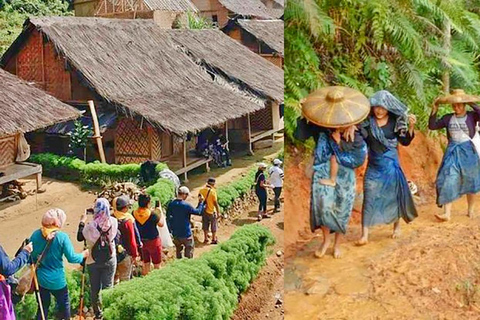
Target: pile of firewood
{"x":13,"y":191}
{"x":119,"y":189}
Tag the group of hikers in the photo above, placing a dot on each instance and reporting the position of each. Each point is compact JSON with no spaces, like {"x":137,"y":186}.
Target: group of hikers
{"x":387,"y":198}
{"x":115,"y":240}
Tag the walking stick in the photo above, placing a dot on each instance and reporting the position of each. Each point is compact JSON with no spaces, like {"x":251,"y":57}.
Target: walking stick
{"x":82,"y":291}
{"x":37,"y":292}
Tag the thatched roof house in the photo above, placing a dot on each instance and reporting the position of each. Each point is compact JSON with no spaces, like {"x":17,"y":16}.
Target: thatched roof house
{"x":264,"y":37}
{"x":25,"y":108}
{"x":164,"y":12}
{"x":221,"y":11}
{"x":161,"y":82}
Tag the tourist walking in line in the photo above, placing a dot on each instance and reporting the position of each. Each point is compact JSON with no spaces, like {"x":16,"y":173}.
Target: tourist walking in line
{"x":99,"y":235}
{"x":127,"y":246}
{"x":261,"y":191}
{"x":7,"y":269}
{"x":387,"y":197}
{"x":179,"y":212}
{"x":211,"y":211}
{"x":51,"y":270}
{"x":147,"y":222}
{"x":459,"y":173}
{"x":276,"y":179}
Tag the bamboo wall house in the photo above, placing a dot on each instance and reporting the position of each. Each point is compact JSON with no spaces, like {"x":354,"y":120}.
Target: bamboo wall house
{"x":24,"y":108}
{"x":160,"y":84}
{"x":164,"y":12}
{"x":221,"y":11}
{"x":264,"y":37}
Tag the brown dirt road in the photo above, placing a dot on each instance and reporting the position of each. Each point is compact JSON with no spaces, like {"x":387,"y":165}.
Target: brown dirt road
{"x":432,"y":272}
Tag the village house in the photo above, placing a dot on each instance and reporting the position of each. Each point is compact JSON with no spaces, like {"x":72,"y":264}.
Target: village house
{"x":264,"y":37}
{"x":221,"y":11}
{"x":153,"y":89}
{"x":166,"y":13}
{"x":24,"y":108}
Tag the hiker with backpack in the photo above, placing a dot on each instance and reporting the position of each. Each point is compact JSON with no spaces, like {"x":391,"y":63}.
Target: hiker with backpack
{"x":126,"y":240}
{"x":50,"y":245}
{"x":7,"y":269}
{"x":99,"y":235}
{"x":147,"y":222}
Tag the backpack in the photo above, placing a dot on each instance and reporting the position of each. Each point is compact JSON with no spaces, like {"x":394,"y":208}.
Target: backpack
{"x":120,"y":247}
{"x":101,"y":250}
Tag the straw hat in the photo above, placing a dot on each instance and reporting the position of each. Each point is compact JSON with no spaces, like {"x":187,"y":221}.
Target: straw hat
{"x":335,"y":107}
{"x":458,"y":96}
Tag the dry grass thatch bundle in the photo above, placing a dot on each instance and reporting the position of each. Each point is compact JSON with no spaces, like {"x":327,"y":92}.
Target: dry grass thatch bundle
{"x":25,"y":108}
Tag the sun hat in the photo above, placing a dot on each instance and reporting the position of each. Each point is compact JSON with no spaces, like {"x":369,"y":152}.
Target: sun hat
{"x":335,"y":107}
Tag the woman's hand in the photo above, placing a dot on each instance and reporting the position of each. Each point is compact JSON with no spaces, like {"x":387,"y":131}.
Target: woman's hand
{"x":28,"y":247}
{"x":349,"y":133}
{"x":336,"y":136}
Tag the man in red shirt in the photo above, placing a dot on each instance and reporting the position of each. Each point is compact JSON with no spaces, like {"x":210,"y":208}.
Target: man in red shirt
{"x":128,"y":242}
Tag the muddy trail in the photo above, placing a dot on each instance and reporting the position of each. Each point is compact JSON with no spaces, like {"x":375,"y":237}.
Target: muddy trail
{"x":431,"y":272}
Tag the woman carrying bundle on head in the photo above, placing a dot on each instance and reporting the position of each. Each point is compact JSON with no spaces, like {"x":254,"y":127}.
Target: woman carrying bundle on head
{"x":387,"y":196}
{"x":459,"y":173}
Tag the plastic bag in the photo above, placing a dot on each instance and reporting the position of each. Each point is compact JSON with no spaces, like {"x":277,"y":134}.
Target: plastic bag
{"x":165,"y":234}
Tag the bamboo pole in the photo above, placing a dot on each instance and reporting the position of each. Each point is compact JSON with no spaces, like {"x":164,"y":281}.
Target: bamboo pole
{"x":96,"y":131}
{"x":249,"y":135}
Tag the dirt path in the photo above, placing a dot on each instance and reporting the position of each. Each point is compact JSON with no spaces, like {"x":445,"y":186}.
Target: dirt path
{"x":431,"y":272}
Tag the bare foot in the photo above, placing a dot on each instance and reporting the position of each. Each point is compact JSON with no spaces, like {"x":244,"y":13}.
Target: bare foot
{"x":323,"y":249}
{"x":337,"y":254}
{"x":328,"y":182}
{"x":396,"y":234}
{"x":361,"y":242}
{"x":442,"y":217}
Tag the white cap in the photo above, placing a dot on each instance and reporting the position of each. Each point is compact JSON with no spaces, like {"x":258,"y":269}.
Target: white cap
{"x":262,"y":165}
{"x":277,"y":162}
{"x":183,"y":190}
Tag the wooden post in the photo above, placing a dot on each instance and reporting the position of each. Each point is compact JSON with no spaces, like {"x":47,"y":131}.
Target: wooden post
{"x":250,"y":150}
{"x":96,"y":131}
{"x":185,"y":157}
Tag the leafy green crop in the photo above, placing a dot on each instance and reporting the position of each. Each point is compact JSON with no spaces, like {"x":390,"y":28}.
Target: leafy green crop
{"x":96,"y":173}
{"x":197,"y":289}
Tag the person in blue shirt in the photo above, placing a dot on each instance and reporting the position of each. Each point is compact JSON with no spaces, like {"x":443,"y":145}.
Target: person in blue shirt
{"x":178,"y":221}
{"x":51,"y":271}
{"x":7,"y":269}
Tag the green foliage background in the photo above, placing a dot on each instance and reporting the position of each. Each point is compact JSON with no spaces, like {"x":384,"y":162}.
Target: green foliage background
{"x":372,"y":45}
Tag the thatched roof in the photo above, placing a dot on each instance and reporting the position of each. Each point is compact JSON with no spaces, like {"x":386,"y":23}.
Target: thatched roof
{"x":253,"y":8}
{"x":171,"y":5}
{"x":232,"y":59}
{"x":26,"y":108}
{"x":135,"y":65}
{"x":269,"y":32}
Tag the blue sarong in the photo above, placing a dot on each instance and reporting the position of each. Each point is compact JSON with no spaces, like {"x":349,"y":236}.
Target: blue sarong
{"x":332,"y":206}
{"x":459,"y":173}
{"x":387,"y":196}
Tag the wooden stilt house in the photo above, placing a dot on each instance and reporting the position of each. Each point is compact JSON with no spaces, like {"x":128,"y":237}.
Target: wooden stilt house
{"x":160,"y":89}
{"x":24,"y":108}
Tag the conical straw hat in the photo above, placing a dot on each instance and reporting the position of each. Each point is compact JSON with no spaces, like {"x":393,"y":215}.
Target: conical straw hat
{"x":335,"y":107}
{"x":458,"y":96}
